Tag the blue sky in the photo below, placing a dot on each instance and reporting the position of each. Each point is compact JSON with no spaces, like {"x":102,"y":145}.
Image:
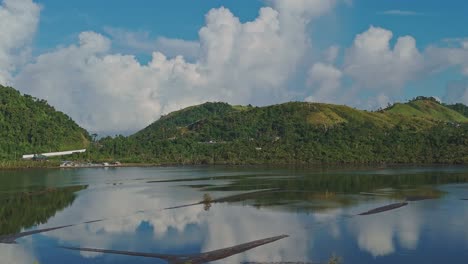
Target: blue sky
{"x":91,"y":58}
{"x":61,"y":21}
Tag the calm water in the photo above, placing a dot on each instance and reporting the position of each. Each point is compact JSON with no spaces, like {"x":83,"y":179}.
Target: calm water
{"x":318,"y":209}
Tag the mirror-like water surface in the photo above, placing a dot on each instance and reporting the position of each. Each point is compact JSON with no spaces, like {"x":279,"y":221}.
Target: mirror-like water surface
{"x":420,"y":217}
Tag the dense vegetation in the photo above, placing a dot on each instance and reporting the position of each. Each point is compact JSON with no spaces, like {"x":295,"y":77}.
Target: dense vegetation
{"x":29,"y":125}
{"x":420,"y":131}
{"x":461,"y":108}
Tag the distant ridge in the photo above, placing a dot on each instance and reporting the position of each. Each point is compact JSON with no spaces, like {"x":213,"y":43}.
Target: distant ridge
{"x":419,"y":131}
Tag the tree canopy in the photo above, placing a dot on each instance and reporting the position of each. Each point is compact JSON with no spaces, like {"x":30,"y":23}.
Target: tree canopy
{"x":31,"y":125}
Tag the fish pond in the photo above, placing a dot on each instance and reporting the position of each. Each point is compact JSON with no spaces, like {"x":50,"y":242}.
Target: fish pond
{"x":235,"y":215}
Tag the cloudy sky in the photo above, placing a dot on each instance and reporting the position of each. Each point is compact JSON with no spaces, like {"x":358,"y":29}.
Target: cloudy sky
{"x":116,"y":66}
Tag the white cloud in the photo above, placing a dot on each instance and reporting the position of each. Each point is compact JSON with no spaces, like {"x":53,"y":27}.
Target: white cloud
{"x":18,"y":23}
{"x":141,"y":42}
{"x":306,"y":9}
{"x":373,"y":64}
{"x":331,"y":54}
{"x":440,"y":58}
{"x":325,"y":81}
{"x":237,"y":62}
{"x":397,"y":12}
{"x":173,"y":47}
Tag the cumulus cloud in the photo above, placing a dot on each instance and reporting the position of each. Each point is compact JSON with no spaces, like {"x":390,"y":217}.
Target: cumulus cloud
{"x":374,"y":72}
{"x":18,"y":23}
{"x":374,"y":64}
{"x":237,"y":62}
{"x":325,"y":80}
{"x":439,"y":58}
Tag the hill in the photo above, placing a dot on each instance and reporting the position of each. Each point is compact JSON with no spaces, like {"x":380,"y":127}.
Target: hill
{"x":30,"y":125}
{"x":428,"y":108}
{"x":168,"y":125}
{"x":420,"y":131}
{"x":460,"y":108}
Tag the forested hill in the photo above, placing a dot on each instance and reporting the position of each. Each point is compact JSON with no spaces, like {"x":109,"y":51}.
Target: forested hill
{"x":420,"y":131}
{"x":172,"y":123}
{"x":30,"y":125}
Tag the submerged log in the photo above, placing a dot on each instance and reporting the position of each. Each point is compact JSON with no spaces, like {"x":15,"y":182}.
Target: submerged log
{"x":190,"y":258}
{"x":232,"y":198}
{"x":384,"y":208}
{"x":11,"y":239}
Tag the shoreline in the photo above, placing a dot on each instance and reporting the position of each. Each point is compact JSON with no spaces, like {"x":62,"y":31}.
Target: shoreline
{"x":41,"y":165}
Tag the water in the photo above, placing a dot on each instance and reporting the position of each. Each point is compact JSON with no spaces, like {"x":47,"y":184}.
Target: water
{"x":317,"y":208}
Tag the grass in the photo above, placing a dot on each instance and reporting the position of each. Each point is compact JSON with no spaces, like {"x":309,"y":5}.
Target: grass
{"x":428,"y":110}
{"x":27,"y":164}
{"x":418,"y":113}
{"x":241,"y":107}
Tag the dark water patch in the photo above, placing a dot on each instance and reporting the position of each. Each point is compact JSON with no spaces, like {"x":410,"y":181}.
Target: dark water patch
{"x":202,"y":179}
{"x":343,"y":183}
{"x":420,"y":198}
{"x":224,"y":188}
{"x":198,"y":186}
{"x":207,"y":200}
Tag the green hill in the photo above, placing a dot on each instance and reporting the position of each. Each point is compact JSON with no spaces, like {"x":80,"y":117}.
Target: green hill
{"x":168,"y":125}
{"x":428,"y":109}
{"x":30,"y":125}
{"x":460,"y":108}
{"x":420,"y":131}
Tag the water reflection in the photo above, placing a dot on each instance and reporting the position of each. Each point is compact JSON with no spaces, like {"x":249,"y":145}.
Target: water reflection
{"x":17,"y":254}
{"x":376,"y":234}
{"x":318,"y":211}
{"x":27,"y":209}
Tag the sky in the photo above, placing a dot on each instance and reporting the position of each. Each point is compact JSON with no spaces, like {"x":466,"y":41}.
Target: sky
{"x":117,"y":66}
